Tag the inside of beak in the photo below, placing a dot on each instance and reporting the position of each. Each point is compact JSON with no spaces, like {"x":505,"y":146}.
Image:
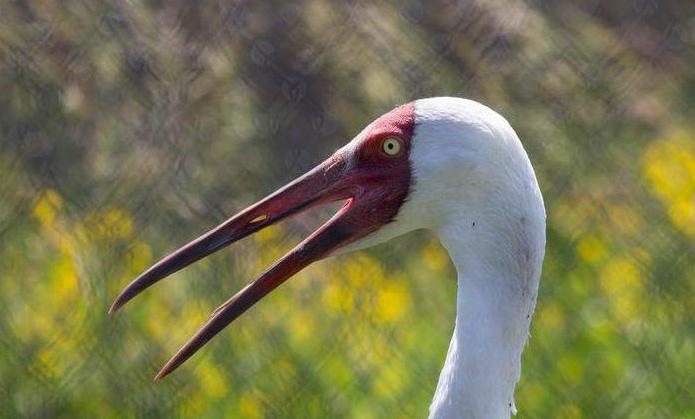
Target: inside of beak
{"x":331,"y":235}
{"x":311,"y":189}
{"x":321,"y":185}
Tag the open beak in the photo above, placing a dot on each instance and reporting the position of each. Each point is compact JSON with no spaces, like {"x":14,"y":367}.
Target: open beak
{"x":333,"y":180}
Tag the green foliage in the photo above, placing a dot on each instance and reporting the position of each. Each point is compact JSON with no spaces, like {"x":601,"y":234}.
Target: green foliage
{"x":127,"y":128}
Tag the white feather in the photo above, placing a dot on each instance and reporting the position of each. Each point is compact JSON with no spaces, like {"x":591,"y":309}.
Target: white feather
{"x":475,"y":188}
{"x":483,"y":201}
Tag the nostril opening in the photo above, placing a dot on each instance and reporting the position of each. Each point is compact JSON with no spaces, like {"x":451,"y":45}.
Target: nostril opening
{"x":257,"y":220}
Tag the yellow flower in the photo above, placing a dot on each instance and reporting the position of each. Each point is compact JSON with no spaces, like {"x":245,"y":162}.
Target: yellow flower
{"x":212,"y":381}
{"x":621,"y":281}
{"x":669,"y":166}
{"x":47,"y":206}
{"x":393,"y":300}
{"x":249,"y":406}
{"x":591,"y":248}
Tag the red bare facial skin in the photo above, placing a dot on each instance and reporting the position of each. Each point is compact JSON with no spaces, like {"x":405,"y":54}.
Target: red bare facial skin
{"x":373,"y":183}
{"x":382,"y":181}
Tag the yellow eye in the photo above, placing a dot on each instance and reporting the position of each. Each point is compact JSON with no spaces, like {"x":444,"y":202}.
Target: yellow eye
{"x":391,"y":146}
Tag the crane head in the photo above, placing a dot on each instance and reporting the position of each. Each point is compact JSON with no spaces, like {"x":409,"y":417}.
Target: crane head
{"x":432,"y":164}
{"x":371,"y":174}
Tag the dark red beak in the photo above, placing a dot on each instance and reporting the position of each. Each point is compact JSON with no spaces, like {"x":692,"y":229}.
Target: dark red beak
{"x":329,"y":182}
{"x":373,"y":184}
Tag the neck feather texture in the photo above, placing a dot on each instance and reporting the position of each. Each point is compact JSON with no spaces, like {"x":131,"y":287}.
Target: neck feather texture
{"x":497,"y":288}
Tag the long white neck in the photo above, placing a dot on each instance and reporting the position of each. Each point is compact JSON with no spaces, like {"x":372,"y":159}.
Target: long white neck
{"x":498,"y":276}
{"x":474,"y":186}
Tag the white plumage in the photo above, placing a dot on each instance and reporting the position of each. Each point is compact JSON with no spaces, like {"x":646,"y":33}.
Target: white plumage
{"x":449,"y":165}
{"x":474,"y":188}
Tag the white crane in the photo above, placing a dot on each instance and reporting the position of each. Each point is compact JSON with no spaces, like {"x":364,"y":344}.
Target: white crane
{"x":449,"y":165}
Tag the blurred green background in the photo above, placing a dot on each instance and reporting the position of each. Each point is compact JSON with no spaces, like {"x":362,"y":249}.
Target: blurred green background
{"x":129,"y":127}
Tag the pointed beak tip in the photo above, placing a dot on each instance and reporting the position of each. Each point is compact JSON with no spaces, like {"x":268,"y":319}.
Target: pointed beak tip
{"x":117,"y":304}
{"x":161,"y":374}
{"x":123,"y":298}
{"x":314,"y":188}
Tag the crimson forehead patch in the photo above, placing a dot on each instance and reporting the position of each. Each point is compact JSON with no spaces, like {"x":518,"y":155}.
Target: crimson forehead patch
{"x":398,"y":122}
